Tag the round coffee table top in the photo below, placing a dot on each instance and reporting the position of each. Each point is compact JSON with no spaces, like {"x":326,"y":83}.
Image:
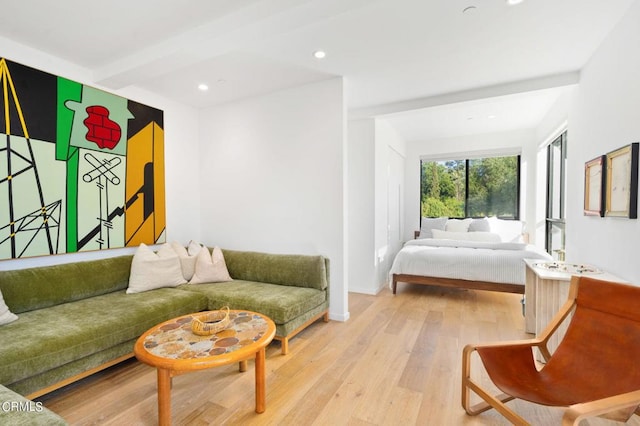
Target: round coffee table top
{"x":172,"y":344}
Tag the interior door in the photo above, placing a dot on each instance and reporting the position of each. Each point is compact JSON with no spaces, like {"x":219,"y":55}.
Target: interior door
{"x":395,"y":202}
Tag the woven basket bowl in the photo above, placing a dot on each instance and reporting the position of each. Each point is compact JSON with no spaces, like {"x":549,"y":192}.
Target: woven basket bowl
{"x":211,"y":322}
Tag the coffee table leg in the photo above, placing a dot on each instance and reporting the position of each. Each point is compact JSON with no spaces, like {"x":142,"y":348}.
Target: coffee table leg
{"x":260,"y":381}
{"x":164,"y":397}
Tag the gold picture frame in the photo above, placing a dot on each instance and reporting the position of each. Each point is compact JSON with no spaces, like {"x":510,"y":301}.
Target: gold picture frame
{"x":594,"y":186}
{"x":622,"y":182}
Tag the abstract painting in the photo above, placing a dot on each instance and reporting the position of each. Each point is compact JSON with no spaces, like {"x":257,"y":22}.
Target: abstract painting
{"x":81,"y":169}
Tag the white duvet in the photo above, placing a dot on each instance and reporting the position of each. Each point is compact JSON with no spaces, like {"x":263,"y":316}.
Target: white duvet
{"x":466,"y":260}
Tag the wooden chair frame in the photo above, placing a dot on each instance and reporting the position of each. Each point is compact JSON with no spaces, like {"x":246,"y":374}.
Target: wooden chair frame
{"x":619,"y":407}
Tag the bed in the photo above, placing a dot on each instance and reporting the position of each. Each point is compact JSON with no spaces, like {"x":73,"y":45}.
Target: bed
{"x":472,"y":262}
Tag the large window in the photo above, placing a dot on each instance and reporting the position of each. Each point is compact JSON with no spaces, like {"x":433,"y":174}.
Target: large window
{"x":471,"y":187}
{"x":556,"y":190}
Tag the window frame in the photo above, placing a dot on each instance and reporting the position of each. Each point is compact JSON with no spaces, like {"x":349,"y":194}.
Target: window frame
{"x":466,"y":181}
{"x":550,"y":220}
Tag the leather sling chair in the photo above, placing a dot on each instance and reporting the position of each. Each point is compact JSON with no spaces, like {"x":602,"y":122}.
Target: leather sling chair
{"x":595,"y":371}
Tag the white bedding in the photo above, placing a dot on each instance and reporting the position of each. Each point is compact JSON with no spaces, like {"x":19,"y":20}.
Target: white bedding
{"x":466,"y":260}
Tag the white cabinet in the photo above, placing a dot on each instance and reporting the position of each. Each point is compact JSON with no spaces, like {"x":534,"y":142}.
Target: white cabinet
{"x":546,"y":290}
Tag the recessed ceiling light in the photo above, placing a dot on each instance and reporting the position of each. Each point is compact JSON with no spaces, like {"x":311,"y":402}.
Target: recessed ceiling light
{"x":491,"y":117}
{"x":514,"y":2}
{"x":319,"y":54}
{"x":203,"y":87}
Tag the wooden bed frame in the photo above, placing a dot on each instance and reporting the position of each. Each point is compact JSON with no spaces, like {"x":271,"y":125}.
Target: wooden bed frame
{"x":456,"y":283}
{"x":450,"y":282}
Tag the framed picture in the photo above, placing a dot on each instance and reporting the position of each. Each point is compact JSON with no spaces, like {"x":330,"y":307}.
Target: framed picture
{"x":622,"y":182}
{"x":594,"y":186}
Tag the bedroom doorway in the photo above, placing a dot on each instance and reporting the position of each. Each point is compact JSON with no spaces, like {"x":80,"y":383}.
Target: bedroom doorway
{"x":556,"y":197}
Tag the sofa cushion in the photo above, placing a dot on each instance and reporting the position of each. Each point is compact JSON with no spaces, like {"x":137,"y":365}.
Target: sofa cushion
{"x":40,"y":287}
{"x":210,"y":267}
{"x":47,"y":338}
{"x":290,"y":270}
{"x":151,"y":270}
{"x":278,"y":302}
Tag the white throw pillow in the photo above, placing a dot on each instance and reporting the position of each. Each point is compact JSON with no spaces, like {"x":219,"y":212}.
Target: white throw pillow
{"x":458,"y":225}
{"x":194,"y":248}
{"x":6,"y":316}
{"x":210,"y":268}
{"x":488,"y":237}
{"x":510,"y":231}
{"x":151,"y":270}
{"x":187,"y":262}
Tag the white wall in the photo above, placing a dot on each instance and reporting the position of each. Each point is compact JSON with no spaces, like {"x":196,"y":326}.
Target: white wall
{"x":508,"y":143}
{"x":604,"y":116}
{"x":375,"y":175}
{"x":273,"y":180}
{"x":361,"y":206}
{"x":181,"y":153}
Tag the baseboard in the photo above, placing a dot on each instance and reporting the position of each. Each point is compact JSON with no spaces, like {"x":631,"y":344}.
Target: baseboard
{"x":339,"y":317}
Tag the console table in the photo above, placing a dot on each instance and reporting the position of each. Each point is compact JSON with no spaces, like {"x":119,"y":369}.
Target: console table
{"x":546,"y":290}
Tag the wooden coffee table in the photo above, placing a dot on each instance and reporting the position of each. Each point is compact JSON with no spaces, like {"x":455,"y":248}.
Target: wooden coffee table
{"x":173,"y":349}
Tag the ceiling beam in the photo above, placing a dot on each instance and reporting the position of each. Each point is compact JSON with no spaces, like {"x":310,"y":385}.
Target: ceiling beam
{"x":251,"y":24}
{"x":512,"y":88}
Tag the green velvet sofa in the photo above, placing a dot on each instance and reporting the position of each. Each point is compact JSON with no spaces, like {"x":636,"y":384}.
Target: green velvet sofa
{"x":16,"y":410}
{"x":292,"y":290}
{"x":76,"y":318}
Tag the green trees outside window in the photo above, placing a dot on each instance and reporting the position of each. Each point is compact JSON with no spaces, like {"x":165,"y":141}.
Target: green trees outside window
{"x":471,"y":187}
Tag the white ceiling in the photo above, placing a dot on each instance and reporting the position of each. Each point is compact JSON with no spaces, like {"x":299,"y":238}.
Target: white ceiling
{"x":422,"y":56}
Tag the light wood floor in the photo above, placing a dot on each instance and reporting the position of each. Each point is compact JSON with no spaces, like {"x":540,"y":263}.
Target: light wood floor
{"x":397,"y":361}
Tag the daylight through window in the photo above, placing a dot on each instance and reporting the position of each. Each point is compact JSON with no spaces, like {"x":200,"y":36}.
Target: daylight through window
{"x":476,"y":187}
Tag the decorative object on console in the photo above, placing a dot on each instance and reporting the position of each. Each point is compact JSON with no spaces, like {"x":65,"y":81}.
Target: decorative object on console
{"x":594,"y":186}
{"x":622,"y":182}
{"x":570,"y":268}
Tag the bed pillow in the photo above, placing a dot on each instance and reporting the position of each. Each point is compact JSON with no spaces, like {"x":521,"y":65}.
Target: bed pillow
{"x":480,"y":225}
{"x":210,"y":268}
{"x":488,"y":237}
{"x":6,"y":316}
{"x":430,"y":223}
{"x":458,"y":225}
{"x":510,"y":231}
{"x":187,"y":261}
{"x":151,"y":270}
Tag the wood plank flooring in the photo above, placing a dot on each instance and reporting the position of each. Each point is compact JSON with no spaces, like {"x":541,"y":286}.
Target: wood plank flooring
{"x":397,"y":361}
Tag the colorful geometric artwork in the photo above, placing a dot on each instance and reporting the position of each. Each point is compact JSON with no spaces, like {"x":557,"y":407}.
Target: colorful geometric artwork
{"x":80,"y":169}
